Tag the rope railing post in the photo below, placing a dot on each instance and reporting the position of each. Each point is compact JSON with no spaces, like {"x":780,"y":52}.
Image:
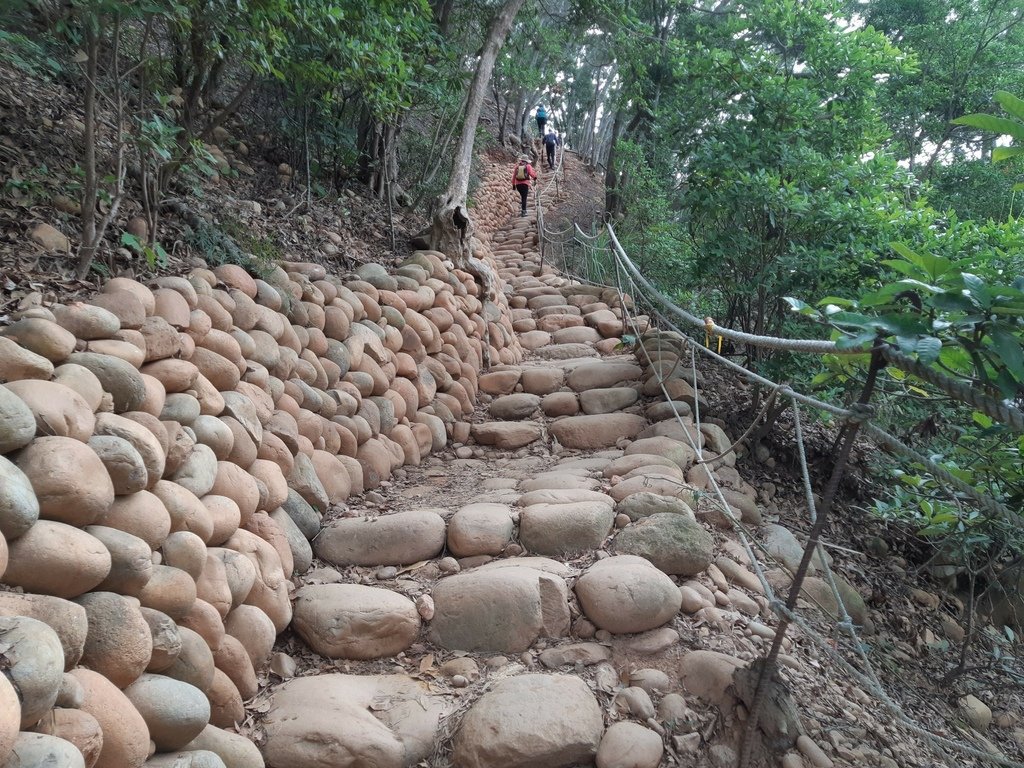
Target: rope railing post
{"x":771,"y":660}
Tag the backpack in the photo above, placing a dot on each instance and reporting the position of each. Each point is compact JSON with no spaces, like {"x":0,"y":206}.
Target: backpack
{"x":521,"y":173}
{"x":550,"y":140}
{"x":542,"y":113}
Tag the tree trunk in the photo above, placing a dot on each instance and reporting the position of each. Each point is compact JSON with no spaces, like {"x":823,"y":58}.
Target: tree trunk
{"x":611,"y":175}
{"x":90,"y":190}
{"x":452,"y":228}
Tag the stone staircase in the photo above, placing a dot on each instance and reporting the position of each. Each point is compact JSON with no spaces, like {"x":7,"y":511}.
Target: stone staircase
{"x":293,"y":522}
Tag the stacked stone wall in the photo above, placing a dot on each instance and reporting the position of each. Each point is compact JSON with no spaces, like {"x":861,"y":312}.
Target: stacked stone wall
{"x":168,"y":451}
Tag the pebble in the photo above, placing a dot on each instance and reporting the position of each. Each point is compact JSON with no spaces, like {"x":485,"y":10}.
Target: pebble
{"x":583,"y":628}
{"x":652,"y":642}
{"x":463,"y":667}
{"x":761,"y":630}
{"x":386,"y":573}
{"x":458,"y":681}
{"x":449,"y":565}
{"x":651,"y":680}
{"x":425,"y":607}
{"x":925,"y":599}
{"x":692,"y":601}
{"x":975,"y":711}
{"x":687,"y":744}
{"x":496,"y":662}
{"x":718,"y":578}
{"x":283,"y":666}
{"x":323,"y":576}
{"x":743,"y":603}
{"x":606,"y":678}
{"x":465,"y":452}
{"x":635,"y":701}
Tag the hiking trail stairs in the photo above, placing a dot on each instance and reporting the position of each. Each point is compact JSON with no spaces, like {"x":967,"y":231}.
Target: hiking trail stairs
{"x":293,"y":522}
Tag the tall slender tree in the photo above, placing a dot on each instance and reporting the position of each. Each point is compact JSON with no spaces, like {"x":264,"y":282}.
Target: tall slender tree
{"x":452,"y":228}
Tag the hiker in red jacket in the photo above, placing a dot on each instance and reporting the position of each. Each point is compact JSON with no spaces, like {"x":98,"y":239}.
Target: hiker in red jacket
{"x":521,"y":178}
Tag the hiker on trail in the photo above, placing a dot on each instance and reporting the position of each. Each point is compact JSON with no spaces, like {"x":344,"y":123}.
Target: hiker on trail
{"x":550,"y":142}
{"x":542,"y":119}
{"x":521,"y":178}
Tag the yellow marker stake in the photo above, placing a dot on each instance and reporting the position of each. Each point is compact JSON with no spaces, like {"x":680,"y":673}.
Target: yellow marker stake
{"x":719,"y":345}
{"x":709,"y":326}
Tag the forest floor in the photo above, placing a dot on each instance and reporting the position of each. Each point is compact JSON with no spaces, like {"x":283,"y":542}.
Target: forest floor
{"x":249,"y":199}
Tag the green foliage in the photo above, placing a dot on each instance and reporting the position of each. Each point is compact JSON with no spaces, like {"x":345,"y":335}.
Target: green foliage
{"x":155,"y":255}
{"x":29,"y":188}
{"x":962,"y":51}
{"x":958,"y":306}
{"x":1012,"y":126}
{"x":651,"y":232}
{"x":930,"y":307}
{"x":30,"y":56}
{"x":977,"y":190}
{"x":234,"y":242}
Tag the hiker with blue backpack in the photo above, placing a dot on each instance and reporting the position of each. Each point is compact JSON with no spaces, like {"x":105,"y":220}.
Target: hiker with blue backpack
{"x":542,"y":119}
{"x":521,"y":178}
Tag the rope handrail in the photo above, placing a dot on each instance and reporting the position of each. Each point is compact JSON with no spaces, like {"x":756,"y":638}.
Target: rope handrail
{"x":891,"y":442}
{"x":1001,"y":411}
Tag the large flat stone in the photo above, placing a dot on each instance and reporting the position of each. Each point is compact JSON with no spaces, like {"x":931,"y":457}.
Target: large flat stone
{"x":558,"y":529}
{"x":599,"y":375}
{"x":337,"y":721}
{"x":507,"y":434}
{"x":675,"y":543}
{"x":502,"y":610}
{"x":398,"y":539}
{"x":627,"y":594}
{"x":598,"y":431}
{"x":531,"y":721}
{"x":352,"y":621}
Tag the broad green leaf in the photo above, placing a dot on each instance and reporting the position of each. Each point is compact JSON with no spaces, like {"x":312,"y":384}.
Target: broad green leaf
{"x":902,"y":324}
{"x":928,"y":348}
{"x":837,"y":301}
{"x":1008,"y":347}
{"x":982,"y":420}
{"x":859,"y":341}
{"x":800,"y":306}
{"x":977,"y":287}
{"x":904,"y":268}
{"x":1000,"y":125}
{"x":952,"y":302}
{"x":1011,"y":104}
{"x":1006,"y":153}
{"x":908,"y":254}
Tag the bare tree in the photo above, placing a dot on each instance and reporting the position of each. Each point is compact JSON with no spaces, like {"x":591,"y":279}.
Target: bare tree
{"x":452,"y":228}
